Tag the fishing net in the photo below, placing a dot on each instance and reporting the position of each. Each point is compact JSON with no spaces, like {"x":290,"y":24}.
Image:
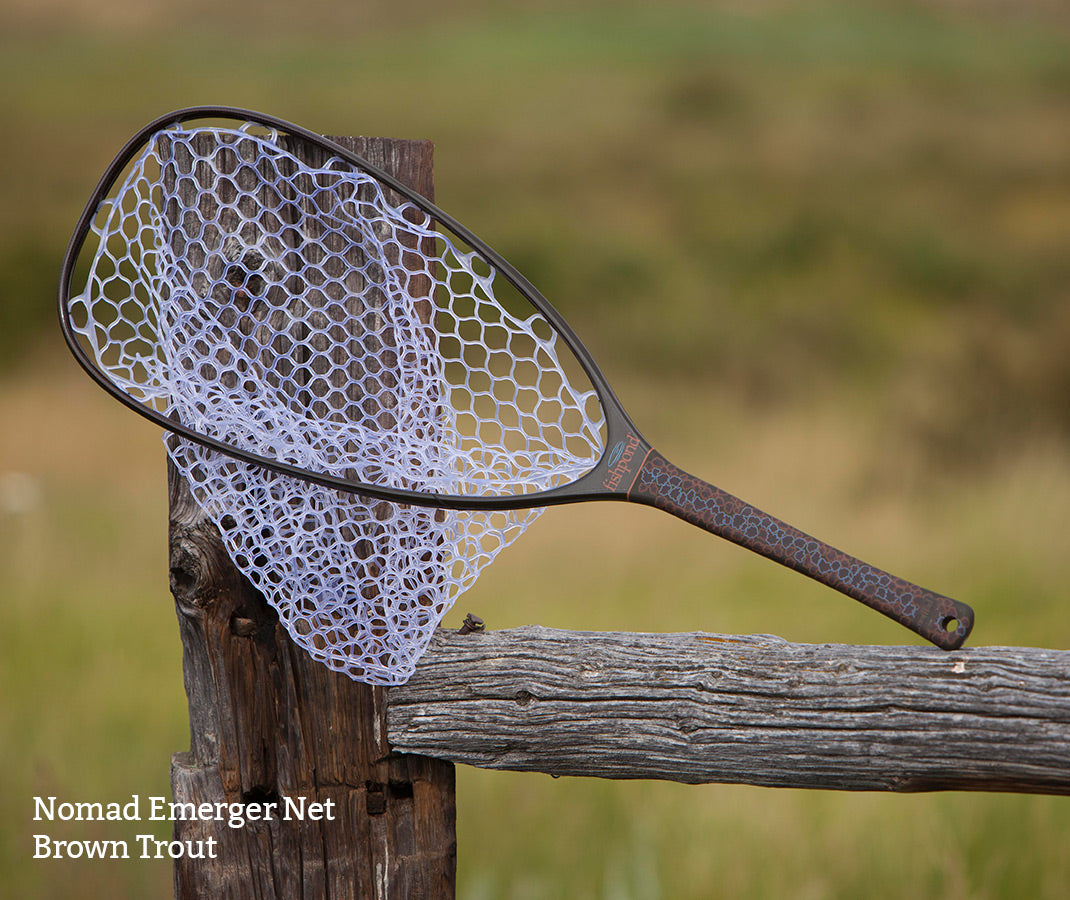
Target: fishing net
{"x":274,"y":297}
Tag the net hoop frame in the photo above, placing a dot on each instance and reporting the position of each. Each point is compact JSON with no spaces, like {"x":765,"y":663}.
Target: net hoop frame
{"x":588,"y":486}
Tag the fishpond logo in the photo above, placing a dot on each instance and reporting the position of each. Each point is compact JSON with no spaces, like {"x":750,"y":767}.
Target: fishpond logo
{"x":620,"y":459}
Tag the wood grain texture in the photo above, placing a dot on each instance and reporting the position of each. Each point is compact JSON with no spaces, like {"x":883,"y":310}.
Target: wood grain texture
{"x":756,"y":710}
{"x":267,"y":723}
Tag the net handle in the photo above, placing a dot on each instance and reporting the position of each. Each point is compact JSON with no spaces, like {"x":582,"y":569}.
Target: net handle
{"x":939,"y":619}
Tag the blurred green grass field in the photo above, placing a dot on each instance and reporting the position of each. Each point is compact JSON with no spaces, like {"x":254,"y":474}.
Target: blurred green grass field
{"x":821,"y":251}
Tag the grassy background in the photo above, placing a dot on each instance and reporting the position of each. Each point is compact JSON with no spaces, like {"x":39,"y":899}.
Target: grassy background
{"x":821,"y":250}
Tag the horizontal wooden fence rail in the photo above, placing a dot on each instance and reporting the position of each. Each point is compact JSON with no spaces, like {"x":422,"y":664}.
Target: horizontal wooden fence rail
{"x":757,"y":710}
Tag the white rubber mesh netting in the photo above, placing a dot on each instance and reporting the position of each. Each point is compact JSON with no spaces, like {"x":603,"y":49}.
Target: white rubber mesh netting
{"x":271,"y":296}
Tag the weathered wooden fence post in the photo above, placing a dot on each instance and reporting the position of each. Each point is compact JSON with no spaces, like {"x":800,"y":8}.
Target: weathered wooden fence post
{"x":270,"y":725}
